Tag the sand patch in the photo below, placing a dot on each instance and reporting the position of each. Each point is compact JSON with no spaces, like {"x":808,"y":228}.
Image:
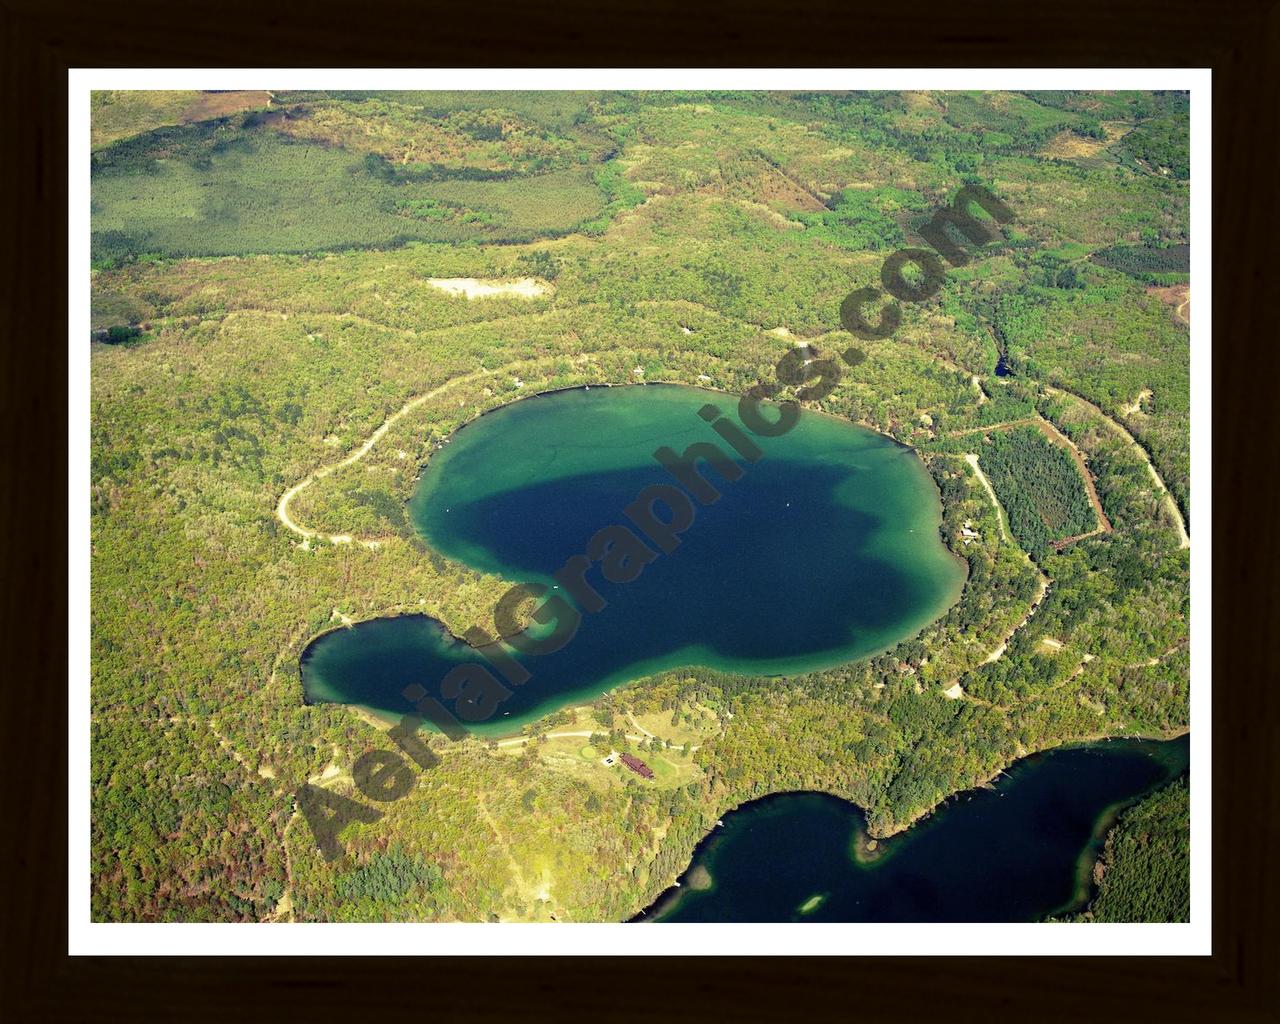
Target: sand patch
{"x":1178,"y":296}
{"x":977,"y":387}
{"x":332,"y":771}
{"x":772,"y":216}
{"x":953,"y":692}
{"x":1116,"y":130}
{"x":476,"y":288}
{"x":209,"y":105}
{"x":1068,"y":146}
{"x":1136,"y":405}
{"x":921,"y":101}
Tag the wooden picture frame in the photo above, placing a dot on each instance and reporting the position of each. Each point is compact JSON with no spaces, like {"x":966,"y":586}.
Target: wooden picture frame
{"x":1237,"y":39}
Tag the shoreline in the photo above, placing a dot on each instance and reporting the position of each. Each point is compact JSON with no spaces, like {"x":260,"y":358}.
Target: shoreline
{"x":584,"y":697}
{"x":671,"y":894}
{"x":590,"y":693}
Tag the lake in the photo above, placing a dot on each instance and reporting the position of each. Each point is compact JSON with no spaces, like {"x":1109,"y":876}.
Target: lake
{"x":827,"y":549}
{"x":1022,"y":851}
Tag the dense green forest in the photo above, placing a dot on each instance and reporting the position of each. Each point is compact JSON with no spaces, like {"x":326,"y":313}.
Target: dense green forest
{"x":271,"y":291}
{"x":1144,"y":873}
{"x":1038,"y":485}
{"x":1161,"y":145}
{"x":1148,"y":263}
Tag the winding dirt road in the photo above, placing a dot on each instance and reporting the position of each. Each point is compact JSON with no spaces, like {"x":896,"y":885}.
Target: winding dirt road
{"x":991,"y":492}
{"x":282,"y":507}
{"x":1184,"y":539}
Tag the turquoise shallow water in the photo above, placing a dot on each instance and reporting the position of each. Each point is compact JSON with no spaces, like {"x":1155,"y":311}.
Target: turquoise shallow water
{"x":825,"y":550}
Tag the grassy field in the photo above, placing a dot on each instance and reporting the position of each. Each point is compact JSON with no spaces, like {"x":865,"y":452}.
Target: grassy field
{"x":122,"y":114}
{"x":268,"y":195}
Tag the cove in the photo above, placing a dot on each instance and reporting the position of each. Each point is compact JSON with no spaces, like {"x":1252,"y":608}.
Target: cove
{"x":826,"y":550}
{"x":1020,"y":851}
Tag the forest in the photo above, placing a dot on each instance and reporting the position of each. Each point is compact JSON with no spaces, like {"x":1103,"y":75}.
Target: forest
{"x":266,"y":299}
{"x":1144,"y":873}
{"x":1154,"y":265}
{"x":1038,"y":485}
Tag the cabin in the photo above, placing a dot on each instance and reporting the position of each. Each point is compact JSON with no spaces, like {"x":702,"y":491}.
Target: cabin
{"x":637,"y":766}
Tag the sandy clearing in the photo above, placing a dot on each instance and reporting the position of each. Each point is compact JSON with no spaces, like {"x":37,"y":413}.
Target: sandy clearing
{"x":791,"y":190}
{"x":512,"y":741}
{"x":477,"y":288}
{"x":1136,"y":405}
{"x":1067,"y":145}
{"x":1116,"y":130}
{"x":1176,"y":295}
{"x":210,"y":105}
{"x":921,"y":101}
{"x":976,"y":381}
{"x":953,"y":692}
{"x":331,"y":771}
{"x":771,"y":215}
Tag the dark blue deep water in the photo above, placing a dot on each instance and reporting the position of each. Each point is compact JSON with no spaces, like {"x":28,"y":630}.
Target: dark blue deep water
{"x":826,"y":550}
{"x":1020,"y":852}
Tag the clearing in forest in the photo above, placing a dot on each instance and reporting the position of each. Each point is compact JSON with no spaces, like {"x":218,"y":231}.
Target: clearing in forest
{"x":474,"y":288}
